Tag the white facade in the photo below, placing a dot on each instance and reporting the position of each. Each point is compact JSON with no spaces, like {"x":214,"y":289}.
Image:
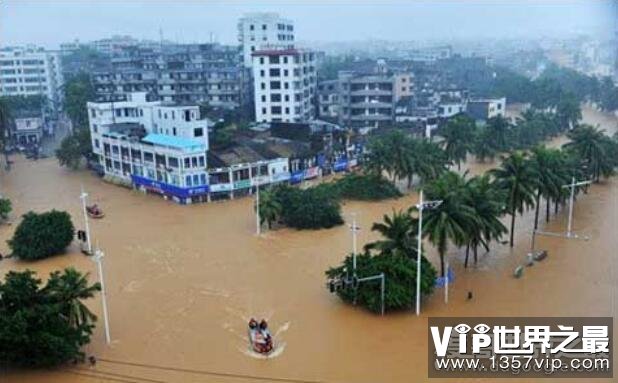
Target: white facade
{"x":257,"y":31}
{"x":285,"y":84}
{"x":31,"y":71}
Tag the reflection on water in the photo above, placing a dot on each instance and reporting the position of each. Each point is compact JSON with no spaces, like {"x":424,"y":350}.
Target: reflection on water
{"x":184,"y":280}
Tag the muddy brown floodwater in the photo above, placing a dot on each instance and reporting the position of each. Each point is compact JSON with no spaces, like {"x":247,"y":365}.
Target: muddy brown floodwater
{"x":182,"y":282}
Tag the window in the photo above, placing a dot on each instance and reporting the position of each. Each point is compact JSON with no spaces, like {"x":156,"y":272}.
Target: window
{"x":202,"y":179}
{"x":286,"y":97}
{"x":286,"y":85}
{"x":173,"y":162}
{"x":93,"y":112}
{"x":274,"y":59}
{"x":118,"y":112}
{"x":263,"y":85}
{"x":261,"y":59}
{"x":188,"y":181}
{"x":264,"y":111}
{"x":263,"y":98}
{"x":285,"y":60}
{"x":275,"y":85}
{"x":285,"y":72}
{"x":275,"y":97}
{"x":264,"y":27}
{"x":173,"y":130}
{"x":187,"y":163}
{"x":173,"y":115}
{"x":194,"y":162}
{"x":198,"y":132}
{"x":274,"y":72}
{"x":94,"y":128}
{"x":275,"y":110}
{"x":251,"y":27}
{"x":262,"y":73}
{"x":196,"y":179}
{"x":96,"y":143}
{"x":148,"y":157}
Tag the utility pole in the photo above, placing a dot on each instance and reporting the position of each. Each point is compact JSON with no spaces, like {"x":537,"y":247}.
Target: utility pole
{"x":354,"y":228}
{"x":257,"y":209}
{"x":98,"y":258}
{"x":83,"y":197}
{"x":421,"y":206}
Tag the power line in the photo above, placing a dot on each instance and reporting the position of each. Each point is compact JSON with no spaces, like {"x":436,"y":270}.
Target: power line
{"x":212,"y":373}
{"x":102,"y":377}
{"x":121,"y":375}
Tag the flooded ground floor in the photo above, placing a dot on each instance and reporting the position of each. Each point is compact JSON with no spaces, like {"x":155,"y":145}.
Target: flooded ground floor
{"x":182,"y":282}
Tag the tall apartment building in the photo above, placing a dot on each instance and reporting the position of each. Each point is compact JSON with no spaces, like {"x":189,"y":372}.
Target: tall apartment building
{"x":285,"y":83}
{"x":257,"y":31}
{"x":191,"y":73}
{"x":27,"y":71}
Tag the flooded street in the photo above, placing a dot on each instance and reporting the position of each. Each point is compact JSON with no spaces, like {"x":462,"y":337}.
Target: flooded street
{"x":182,"y":282}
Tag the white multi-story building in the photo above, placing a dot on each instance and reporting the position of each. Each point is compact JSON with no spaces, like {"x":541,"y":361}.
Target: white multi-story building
{"x":285,"y":84}
{"x":27,"y":71}
{"x":258,"y":31}
{"x":153,"y":146}
{"x":163,"y":148}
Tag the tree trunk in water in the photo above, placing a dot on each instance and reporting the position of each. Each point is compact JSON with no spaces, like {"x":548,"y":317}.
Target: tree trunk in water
{"x":513,"y":227}
{"x":442,"y":265}
{"x":556,"y":206}
{"x":547,"y":210}
{"x":467,"y":255}
{"x":476,"y":254}
{"x":536,"y":213}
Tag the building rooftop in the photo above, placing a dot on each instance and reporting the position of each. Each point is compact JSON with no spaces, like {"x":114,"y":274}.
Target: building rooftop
{"x":173,"y":142}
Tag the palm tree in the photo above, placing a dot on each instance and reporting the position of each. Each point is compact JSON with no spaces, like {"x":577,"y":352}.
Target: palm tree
{"x":458,"y":137}
{"x":588,"y":143}
{"x":5,"y":120}
{"x":549,"y":168}
{"x":498,"y":131}
{"x":488,"y":204}
{"x":450,"y":220}
{"x":516,"y":176}
{"x":270,"y":208}
{"x":398,"y":231}
{"x":69,"y":289}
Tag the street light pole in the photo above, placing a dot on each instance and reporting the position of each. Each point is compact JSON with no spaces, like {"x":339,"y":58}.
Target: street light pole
{"x":83,"y":197}
{"x":421,"y":206}
{"x":418,"y":255}
{"x":98,"y":258}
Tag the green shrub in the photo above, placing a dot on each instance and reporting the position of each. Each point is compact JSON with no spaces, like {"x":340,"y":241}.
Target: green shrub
{"x":313,"y":208}
{"x":42,"y":235}
{"x":400,"y":288}
{"x":5,"y":208}
{"x":366,"y":187}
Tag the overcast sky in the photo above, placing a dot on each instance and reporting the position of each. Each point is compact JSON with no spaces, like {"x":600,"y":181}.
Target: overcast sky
{"x":49,"y":23}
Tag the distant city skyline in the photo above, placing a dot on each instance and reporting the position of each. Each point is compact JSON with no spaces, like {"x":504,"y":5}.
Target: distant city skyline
{"x":51,"y":23}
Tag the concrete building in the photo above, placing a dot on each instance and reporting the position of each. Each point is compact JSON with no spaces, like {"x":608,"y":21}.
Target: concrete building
{"x":27,"y":129}
{"x":163,"y":148}
{"x":486,"y":108}
{"x":257,"y":31}
{"x":27,"y":71}
{"x":328,"y":99}
{"x":367,"y":100}
{"x":191,"y":73}
{"x":285,"y":83}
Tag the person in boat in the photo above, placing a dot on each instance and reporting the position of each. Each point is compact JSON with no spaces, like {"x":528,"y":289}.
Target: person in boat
{"x":253,"y":328}
{"x":266,"y":336}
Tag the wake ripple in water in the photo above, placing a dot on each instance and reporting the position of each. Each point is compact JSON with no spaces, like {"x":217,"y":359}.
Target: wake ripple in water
{"x":245,"y":348}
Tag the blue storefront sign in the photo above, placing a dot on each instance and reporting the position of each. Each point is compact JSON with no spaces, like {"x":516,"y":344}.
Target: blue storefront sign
{"x":341,"y":164}
{"x":297,"y":177}
{"x":164,"y":188}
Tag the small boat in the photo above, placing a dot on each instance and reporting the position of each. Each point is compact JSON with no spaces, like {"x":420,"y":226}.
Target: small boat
{"x":540,"y":255}
{"x":94,"y":211}
{"x":519,"y":271}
